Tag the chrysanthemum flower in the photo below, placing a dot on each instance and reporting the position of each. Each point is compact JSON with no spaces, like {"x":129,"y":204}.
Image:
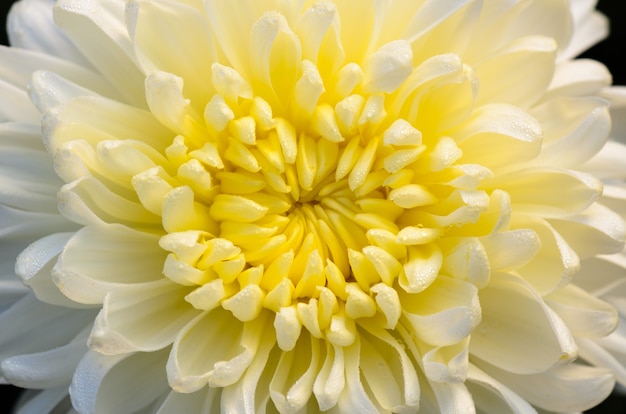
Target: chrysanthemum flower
{"x":299,"y":206}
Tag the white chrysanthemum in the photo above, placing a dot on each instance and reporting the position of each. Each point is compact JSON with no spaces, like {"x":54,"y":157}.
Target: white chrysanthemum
{"x":303,"y":206}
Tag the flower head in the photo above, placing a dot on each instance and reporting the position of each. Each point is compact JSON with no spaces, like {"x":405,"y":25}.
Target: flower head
{"x":310,"y":205}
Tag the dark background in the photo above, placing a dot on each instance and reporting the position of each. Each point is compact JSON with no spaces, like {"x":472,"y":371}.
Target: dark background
{"x":611,"y":52}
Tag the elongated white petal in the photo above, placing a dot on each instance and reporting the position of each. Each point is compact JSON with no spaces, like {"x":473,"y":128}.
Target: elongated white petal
{"x":584,"y":314}
{"x":447,"y":363}
{"x":453,"y":397}
{"x":507,"y":130}
{"x":34,"y":266}
{"x":575,"y":129}
{"x":354,"y":397}
{"x":30,"y":26}
{"x":80,"y":279}
{"x":17,"y":225}
{"x":20,"y":64}
{"x":250,"y":394}
{"x":538,"y":336}
{"x":601,"y":357}
{"x":19,"y":109}
{"x":597,"y":229}
{"x":112,"y":56}
{"x":330,"y":381}
{"x":555,"y":263}
{"x":533,"y":192}
{"x":271,"y":37}
{"x":115,"y":332}
{"x":573,"y":387}
{"x":393,"y":383}
{"x":30,"y":326}
{"x":579,"y":77}
{"x":491,"y":395}
{"x":102,"y":382}
{"x":47,"y":369}
{"x":508,"y":69}
{"x":292,"y":383}
{"x":233,"y":351}
{"x":591,"y":28}
{"x":95,"y":119}
{"x":445,"y":313}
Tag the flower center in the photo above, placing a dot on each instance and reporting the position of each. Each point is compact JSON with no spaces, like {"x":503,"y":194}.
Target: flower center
{"x":312,"y":218}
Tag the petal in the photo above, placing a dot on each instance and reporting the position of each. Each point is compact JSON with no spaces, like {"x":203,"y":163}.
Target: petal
{"x":387,"y":370}
{"x":606,"y":164}
{"x":423,"y":18}
{"x":330,"y":380}
{"x":617,"y":96}
{"x":28,"y":179}
{"x":518,"y":332}
{"x":504,"y":22}
{"x":155,"y":24}
{"x":506,"y":130}
{"x":292,"y":384}
{"x":31,"y":326}
{"x":590,"y":29}
{"x":555,"y":263}
{"x":597,"y":230}
{"x":46,"y":369}
{"x":10,"y":292}
{"x":509,"y":68}
{"x":19,"y":109}
{"x":388,"y":67}
{"x":250,"y":394}
{"x":276,"y":55}
{"x":547,"y":192}
{"x":421,"y":269}
{"x":599,"y":356}
{"x":445,"y":364}
{"x":575,"y":129}
{"x":87,"y":200}
{"x":318,"y":30}
{"x":49,"y":90}
{"x":233,"y":344}
{"x":511,"y":249}
{"x":231,"y":23}
{"x":27,"y":225}
{"x":164,"y":93}
{"x":107,"y":47}
{"x":85,"y":270}
{"x":355,"y":398}
{"x":142,"y":317}
{"x":34,"y":266}
{"x":600,"y":275}
{"x":19,"y":64}
{"x":206,"y":400}
{"x":445,"y":313}
{"x":469,"y":261}
{"x":356,"y":31}
{"x":95,"y":119}
{"x":120,"y":384}
{"x":453,"y":397}
{"x":573,"y":387}
{"x":584,"y":315}
{"x":30,"y":26}
{"x":491,"y":396}
{"x":580,"y":77}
